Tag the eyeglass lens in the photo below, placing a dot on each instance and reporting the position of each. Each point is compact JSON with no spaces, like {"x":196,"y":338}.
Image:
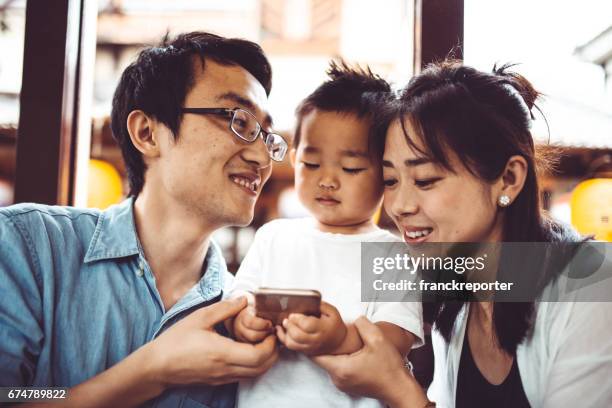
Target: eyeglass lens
{"x":245,"y":125}
{"x":276,"y":145}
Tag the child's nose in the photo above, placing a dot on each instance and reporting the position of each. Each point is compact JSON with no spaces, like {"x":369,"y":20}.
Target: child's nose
{"x":328,"y":182}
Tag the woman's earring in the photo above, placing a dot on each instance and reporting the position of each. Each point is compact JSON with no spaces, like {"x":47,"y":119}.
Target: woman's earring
{"x":504,"y":200}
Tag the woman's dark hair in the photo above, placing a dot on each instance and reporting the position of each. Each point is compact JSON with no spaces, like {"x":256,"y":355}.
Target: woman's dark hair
{"x":349,"y":89}
{"x":484,"y":119}
{"x":160,"y":78}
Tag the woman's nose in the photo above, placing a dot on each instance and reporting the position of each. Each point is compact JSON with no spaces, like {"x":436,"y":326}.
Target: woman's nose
{"x":403,"y":203}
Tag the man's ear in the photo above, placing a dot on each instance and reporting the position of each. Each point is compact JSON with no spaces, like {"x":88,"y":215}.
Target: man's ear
{"x":292,"y":157}
{"x":142,"y":128}
{"x":513,"y":177}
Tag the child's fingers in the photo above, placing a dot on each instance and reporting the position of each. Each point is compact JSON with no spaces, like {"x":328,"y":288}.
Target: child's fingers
{"x":299,"y":336}
{"x":257,"y":323}
{"x":329,"y":316}
{"x":328,"y":310}
{"x":246,"y":334}
{"x":252,"y":336}
{"x":250,"y":328}
{"x":309,"y":324}
{"x":280,"y":334}
{"x":293,"y":344}
{"x":250,"y":321}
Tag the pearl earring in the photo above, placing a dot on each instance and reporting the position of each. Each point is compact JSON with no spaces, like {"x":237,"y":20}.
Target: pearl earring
{"x":504,"y":200}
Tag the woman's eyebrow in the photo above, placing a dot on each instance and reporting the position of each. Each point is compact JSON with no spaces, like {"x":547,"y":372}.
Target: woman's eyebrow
{"x":409,"y":162}
{"x":417,"y":162}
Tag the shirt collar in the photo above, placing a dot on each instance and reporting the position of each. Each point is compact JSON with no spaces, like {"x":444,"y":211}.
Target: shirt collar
{"x":115,"y":234}
{"x":115,"y":237}
{"x":213,"y":279}
{"x":210,"y":285}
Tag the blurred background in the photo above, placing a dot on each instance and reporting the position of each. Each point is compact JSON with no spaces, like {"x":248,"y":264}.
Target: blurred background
{"x":60,"y":63}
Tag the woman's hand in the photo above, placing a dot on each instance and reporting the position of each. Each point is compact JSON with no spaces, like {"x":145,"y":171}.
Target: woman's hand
{"x":312,"y":335}
{"x":376,"y":371}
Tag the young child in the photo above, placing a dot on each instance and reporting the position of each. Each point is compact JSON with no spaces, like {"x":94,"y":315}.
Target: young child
{"x":338,"y":178}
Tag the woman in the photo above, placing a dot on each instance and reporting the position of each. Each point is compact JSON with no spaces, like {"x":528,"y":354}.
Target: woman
{"x":460,"y":166}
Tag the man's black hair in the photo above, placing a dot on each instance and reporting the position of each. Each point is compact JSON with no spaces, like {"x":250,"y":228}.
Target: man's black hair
{"x":160,"y":78}
{"x":354,"y":90}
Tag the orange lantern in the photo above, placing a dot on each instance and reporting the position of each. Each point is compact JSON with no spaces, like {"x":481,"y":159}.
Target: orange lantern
{"x":591,"y":205}
{"x":104,"y":186}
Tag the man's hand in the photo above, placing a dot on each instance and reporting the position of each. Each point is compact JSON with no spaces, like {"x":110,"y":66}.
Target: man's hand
{"x":249,"y":328}
{"x":192,"y":352}
{"x":311,"y":335}
{"x":188,"y":352}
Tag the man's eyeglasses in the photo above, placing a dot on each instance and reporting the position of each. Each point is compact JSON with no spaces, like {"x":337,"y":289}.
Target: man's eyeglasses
{"x":244,"y":125}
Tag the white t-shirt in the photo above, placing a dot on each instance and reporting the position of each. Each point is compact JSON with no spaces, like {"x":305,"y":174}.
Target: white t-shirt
{"x":565,"y":363}
{"x":292,"y":253}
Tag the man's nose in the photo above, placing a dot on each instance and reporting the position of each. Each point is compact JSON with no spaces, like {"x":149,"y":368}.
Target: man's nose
{"x":257,"y":153}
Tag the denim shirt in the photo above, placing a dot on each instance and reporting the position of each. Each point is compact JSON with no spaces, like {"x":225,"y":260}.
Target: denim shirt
{"x":77,"y":296}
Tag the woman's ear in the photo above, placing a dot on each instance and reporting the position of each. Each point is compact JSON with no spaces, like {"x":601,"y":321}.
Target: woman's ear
{"x":292,"y":157}
{"x":141,"y":128}
{"x":512,"y":179}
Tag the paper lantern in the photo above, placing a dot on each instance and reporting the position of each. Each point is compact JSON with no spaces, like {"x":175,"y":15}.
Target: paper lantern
{"x":104,"y":186}
{"x":377,"y":215}
{"x":591,"y":205}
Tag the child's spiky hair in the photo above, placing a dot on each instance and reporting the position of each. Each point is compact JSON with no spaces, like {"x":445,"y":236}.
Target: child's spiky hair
{"x":349,"y":89}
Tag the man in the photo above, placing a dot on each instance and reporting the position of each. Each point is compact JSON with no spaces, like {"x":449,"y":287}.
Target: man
{"x":121,"y":305}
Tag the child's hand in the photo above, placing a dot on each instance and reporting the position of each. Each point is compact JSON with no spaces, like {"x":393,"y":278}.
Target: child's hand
{"x":249,"y":328}
{"x":311,"y":335}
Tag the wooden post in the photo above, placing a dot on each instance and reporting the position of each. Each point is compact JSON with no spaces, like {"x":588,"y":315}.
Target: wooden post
{"x":438,"y":31}
{"x":50,"y":104}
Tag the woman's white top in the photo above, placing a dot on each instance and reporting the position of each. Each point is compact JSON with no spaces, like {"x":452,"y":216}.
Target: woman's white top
{"x":566,"y":362}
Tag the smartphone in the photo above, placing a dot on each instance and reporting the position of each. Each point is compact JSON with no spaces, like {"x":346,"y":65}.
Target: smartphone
{"x":276,"y":304}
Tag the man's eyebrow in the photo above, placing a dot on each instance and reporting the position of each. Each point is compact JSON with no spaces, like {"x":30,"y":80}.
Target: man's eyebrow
{"x":245,"y":103}
{"x":355,"y":153}
{"x":387,"y":163}
{"x":239,"y":99}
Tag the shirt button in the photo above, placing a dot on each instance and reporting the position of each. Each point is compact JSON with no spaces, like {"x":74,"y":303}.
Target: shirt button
{"x":140,"y":270}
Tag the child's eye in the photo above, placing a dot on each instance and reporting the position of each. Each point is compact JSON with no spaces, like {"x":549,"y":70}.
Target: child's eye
{"x":426,"y":183}
{"x":390,"y":182}
{"x":311,"y":166}
{"x":353,"y":171}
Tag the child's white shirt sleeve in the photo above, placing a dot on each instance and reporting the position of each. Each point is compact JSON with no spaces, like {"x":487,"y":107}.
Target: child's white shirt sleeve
{"x":407,"y":315}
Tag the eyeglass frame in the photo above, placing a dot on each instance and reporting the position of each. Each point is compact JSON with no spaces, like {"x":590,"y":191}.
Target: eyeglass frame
{"x":231,"y":114}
